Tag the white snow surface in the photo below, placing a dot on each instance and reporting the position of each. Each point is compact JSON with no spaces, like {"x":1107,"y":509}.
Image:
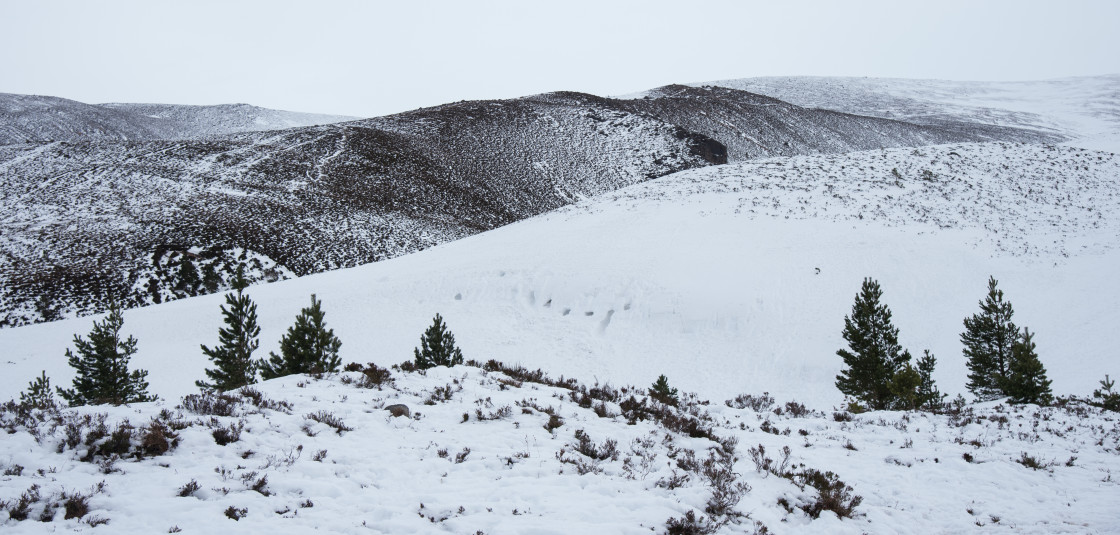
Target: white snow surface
{"x":731,"y":279}
{"x":452,"y":469}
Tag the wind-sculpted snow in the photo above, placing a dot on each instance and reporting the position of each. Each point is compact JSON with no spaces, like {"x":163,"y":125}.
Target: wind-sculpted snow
{"x":90,"y":221}
{"x":37,"y":119}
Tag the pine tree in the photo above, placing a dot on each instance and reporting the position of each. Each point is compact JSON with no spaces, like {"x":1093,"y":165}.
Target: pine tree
{"x":929,"y":398}
{"x":102,"y":366}
{"x":233,"y":357}
{"x":1027,"y":382}
{"x":987,"y":339}
{"x":1106,"y":398}
{"x":662,"y":392}
{"x":308,"y":347}
{"x":905,"y":384}
{"x":437,"y":347}
{"x":913,"y":388}
{"x":210,"y":278}
{"x":39,"y":394}
{"x":875,"y":355}
{"x":187,"y":277}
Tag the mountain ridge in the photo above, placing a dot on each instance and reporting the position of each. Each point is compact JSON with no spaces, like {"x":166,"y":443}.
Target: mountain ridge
{"x":1085,"y":109}
{"x":38,"y":119}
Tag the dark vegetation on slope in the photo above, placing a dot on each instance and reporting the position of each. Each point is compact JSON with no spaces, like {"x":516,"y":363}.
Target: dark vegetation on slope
{"x":756,"y":126}
{"x":87,"y":221}
{"x":38,"y":119}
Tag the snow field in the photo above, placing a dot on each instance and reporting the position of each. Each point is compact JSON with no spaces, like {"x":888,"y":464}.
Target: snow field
{"x":401,"y":475}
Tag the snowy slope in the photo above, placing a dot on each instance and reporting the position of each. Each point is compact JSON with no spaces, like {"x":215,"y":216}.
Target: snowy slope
{"x":711,"y":276}
{"x":1084,"y":109}
{"x":88,"y":221}
{"x":729,"y":279}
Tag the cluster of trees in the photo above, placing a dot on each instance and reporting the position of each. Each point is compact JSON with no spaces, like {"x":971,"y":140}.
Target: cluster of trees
{"x":878,"y":373}
{"x":307,"y":347}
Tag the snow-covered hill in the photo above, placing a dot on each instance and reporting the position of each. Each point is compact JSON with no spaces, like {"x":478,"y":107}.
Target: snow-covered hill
{"x":39,"y":119}
{"x":1084,"y":109}
{"x":727,"y":279}
{"x":86,"y":222}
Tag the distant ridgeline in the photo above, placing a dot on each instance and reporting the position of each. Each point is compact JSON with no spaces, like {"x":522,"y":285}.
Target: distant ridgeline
{"x":146,"y":203}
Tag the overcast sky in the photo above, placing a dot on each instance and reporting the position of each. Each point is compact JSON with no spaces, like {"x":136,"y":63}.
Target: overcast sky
{"x":374,"y":58}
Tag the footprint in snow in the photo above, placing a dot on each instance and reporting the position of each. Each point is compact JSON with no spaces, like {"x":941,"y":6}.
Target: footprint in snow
{"x":606,"y":321}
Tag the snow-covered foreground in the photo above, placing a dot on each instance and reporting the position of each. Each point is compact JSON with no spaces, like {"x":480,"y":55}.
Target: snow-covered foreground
{"x":476,"y":456}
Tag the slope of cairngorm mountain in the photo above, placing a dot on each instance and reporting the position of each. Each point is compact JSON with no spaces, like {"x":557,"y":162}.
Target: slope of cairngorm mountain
{"x":756,"y":126}
{"x":1084,"y":110}
{"x":35,"y":119}
{"x":148,"y":221}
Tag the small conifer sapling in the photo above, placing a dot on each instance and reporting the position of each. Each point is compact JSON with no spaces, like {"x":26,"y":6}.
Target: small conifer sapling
{"x":1105,"y":397}
{"x":102,"y":366}
{"x":233,"y":356}
{"x":39,"y":394}
{"x":929,"y":398}
{"x":1028,"y":382}
{"x":661,"y":391}
{"x":308,"y":346}
{"x":437,"y":347}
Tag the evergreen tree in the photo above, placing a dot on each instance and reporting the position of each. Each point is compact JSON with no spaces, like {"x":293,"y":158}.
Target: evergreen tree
{"x":929,"y":398}
{"x":437,"y":347}
{"x":1027,"y":382}
{"x":210,"y":278}
{"x":39,"y":394}
{"x":308,"y":347}
{"x":233,"y":357}
{"x":875,"y":355}
{"x":662,"y":392}
{"x":102,"y":366}
{"x":988,"y":338}
{"x":904,"y":386}
{"x":187,"y":277}
{"x":913,"y":387}
{"x":1106,"y":398}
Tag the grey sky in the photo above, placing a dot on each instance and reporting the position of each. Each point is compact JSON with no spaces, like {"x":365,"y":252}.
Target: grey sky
{"x":375,"y":58}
